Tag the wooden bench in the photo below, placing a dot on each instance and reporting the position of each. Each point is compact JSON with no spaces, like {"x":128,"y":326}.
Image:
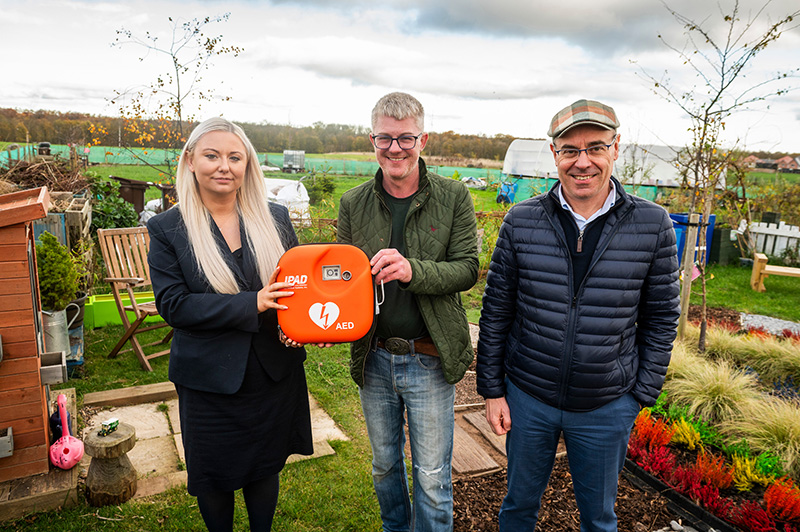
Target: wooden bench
{"x":761,"y":270}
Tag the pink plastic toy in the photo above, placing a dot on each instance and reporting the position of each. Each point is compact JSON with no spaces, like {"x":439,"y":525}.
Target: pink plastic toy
{"x":67,"y":451}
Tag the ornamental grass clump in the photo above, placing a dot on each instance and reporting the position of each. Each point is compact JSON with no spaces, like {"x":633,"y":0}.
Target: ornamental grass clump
{"x":770,"y":425}
{"x":714,"y":391}
{"x":775,"y":359}
{"x":720,"y":342}
{"x":684,"y":359}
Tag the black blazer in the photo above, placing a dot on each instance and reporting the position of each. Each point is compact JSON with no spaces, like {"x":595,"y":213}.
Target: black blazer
{"x":215,"y":332}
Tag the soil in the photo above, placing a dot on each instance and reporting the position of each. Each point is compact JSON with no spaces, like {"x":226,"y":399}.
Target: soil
{"x":726,"y":317}
{"x":477,"y":502}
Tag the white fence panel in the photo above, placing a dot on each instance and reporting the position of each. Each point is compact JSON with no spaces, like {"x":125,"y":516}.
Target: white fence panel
{"x":772,"y":239}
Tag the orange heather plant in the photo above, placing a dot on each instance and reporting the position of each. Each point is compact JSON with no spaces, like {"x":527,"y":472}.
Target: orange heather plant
{"x":651,"y":433}
{"x":783,"y":500}
{"x":713,"y":470}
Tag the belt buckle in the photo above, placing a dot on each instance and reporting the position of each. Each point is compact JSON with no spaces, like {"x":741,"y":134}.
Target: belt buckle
{"x":397,"y":346}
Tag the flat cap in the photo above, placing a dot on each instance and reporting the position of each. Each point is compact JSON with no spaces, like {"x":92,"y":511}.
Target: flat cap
{"x":583,"y":112}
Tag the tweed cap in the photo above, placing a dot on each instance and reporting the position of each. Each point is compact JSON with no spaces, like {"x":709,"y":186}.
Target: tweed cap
{"x":583,"y":112}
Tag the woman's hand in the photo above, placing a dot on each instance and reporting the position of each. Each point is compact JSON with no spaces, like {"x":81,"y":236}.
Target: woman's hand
{"x":268,"y":296}
{"x":285,"y":340}
{"x":288,"y":342}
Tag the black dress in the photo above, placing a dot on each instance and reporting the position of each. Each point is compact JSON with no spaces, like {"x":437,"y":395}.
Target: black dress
{"x":232,"y":440}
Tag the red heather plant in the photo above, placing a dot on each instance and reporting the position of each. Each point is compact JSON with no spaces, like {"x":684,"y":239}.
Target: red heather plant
{"x":659,"y":462}
{"x":686,"y":480}
{"x":783,"y":500}
{"x":752,"y":517}
{"x":712,"y":470}
{"x":709,"y":497}
{"x":636,"y":449}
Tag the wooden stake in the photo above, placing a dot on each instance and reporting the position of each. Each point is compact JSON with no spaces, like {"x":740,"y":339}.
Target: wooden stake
{"x":688,"y":267}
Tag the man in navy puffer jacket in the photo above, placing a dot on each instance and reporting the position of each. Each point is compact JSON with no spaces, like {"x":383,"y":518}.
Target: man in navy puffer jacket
{"x":579,"y":315}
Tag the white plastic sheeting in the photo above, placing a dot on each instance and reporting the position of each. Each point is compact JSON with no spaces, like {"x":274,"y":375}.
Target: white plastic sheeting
{"x":292,"y":195}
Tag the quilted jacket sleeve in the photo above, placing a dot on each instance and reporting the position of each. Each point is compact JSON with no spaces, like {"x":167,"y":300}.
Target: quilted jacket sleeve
{"x":659,"y":310}
{"x":183,"y":297}
{"x":459,"y":270}
{"x":497,"y":314}
{"x":343,"y":222}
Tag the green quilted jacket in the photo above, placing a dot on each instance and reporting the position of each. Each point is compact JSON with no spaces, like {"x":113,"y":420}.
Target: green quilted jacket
{"x":442,"y":247}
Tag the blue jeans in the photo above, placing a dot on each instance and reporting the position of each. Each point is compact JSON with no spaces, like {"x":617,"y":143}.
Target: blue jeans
{"x":596,"y":445}
{"x":412,"y":385}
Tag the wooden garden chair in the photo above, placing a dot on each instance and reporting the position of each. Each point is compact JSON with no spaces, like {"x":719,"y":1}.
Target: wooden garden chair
{"x":125,"y":254}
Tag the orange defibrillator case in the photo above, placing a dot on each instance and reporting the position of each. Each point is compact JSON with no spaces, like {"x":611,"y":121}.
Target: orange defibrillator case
{"x":334,"y":293}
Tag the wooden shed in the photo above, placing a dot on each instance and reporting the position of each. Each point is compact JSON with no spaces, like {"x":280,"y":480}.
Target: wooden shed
{"x":24,"y":431}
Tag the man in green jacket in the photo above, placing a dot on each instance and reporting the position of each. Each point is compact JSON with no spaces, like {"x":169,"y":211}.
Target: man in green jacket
{"x":420,"y":230}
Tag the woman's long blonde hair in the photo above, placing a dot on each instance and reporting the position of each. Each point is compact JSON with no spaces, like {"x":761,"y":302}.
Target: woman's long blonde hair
{"x":262,"y":235}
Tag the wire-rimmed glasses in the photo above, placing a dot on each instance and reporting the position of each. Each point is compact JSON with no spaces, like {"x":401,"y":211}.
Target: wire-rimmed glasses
{"x":598,"y":150}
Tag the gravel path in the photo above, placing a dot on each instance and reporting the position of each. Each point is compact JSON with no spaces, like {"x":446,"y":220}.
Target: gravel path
{"x":771,"y":325}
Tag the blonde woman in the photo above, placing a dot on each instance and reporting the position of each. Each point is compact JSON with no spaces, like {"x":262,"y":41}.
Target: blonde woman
{"x":241,"y":384}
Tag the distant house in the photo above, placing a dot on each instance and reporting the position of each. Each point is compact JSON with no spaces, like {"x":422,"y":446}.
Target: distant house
{"x":750,"y":161}
{"x":787,"y":163}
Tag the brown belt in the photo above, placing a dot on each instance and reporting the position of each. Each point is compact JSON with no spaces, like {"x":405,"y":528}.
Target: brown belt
{"x":401,"y":346}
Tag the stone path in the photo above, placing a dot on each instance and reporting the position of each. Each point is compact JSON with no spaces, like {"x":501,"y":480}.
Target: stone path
{"x":158,"y":454}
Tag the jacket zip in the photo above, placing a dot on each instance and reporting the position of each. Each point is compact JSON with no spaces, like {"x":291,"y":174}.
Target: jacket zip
{"x":580,"y":240}
{"x":375,"y":324}
{"x":572,"y":318}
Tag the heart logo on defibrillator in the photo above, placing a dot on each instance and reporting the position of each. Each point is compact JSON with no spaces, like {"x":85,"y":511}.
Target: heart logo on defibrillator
{"x":324,"y":315}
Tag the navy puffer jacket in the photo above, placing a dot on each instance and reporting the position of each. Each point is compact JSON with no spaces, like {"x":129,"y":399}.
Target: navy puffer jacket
{"x":615,"y":336}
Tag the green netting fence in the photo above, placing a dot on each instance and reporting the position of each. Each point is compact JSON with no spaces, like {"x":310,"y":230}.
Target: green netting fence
{"x":527,"y":187}
{"x":158,"y":157}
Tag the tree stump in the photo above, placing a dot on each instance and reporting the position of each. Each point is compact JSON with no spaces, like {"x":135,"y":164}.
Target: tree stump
{"x":112,"y":478}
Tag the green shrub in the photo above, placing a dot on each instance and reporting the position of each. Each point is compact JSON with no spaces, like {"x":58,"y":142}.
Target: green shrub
{"x":320,"y":187}
{"x":109,"y":210}
{"x":58,"y":278}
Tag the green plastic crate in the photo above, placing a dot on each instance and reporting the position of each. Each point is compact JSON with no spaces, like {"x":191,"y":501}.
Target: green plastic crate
{"x":101,"y":310}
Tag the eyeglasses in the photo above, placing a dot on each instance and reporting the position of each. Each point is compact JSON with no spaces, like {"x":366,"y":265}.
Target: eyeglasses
{"x":598,"y":150}
{"x":406,"y":142}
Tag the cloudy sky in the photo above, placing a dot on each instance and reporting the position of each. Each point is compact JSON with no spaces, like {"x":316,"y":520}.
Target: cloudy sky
{"x":478,"y":66}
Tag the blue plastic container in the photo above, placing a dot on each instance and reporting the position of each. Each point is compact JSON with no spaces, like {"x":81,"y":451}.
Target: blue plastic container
{"x":679,"y":223}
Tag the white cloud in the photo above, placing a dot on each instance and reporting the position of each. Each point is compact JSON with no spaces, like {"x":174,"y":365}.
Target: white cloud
{"x":478,"y":67}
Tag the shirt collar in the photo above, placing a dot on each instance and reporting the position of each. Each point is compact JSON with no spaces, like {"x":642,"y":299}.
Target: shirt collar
{"x":580,"y":220}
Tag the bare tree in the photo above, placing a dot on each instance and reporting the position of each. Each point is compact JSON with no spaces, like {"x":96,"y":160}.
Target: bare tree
{"x":154,"y":114}
{"x":718,"y":58}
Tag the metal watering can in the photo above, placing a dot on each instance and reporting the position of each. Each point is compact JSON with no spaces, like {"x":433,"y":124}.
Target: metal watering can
{"x":67,"y":451}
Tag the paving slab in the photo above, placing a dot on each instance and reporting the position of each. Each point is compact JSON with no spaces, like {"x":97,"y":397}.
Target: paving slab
{"x":154,"y":456}
{"x":323,"y":428}
{"x":146,"y":418}
{"x":174,"y":415}
{"x":158,"y":484}
{"x":179,"y":447}
{"x":321,"y":448}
